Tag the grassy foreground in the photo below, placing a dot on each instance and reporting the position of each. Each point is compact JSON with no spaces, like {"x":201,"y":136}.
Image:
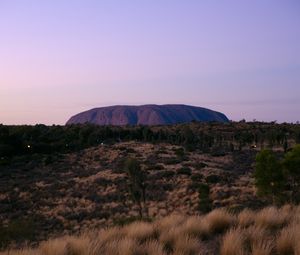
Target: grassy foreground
{"x":268,"y":231}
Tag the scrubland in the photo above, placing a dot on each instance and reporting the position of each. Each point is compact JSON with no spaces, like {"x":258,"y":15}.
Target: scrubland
{"x":190,"y":189}
{"x":89,"y":189}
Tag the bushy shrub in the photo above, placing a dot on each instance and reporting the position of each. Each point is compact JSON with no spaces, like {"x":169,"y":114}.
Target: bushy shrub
{"x":184,"y":171}
{"x":269,"y":177}
{"x":213,"y":179}
{"x":163,"y":174}
{"x":291,"y":166}
{"x":171,"y":161}
{"x":157,"y":167}
{"x":197,"y":177}
{"x":179,"y":152}
{"x":199,"y":165}
{"x":16,"y":231}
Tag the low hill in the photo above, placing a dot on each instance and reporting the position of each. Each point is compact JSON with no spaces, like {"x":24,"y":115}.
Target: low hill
{"x":147,"y":115}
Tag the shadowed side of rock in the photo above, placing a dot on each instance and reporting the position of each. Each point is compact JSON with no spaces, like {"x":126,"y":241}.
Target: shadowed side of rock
{"x":146,"y":115}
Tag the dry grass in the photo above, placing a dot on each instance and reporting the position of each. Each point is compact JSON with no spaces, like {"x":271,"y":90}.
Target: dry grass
{"x":195,"y":226}
{"x":170,"y":221}
{"x":246,"y":218}
{"x":266,"y":232}
{"x":219,"y":220}
{"x":233,"y":243}
{"x":154,"y":248}
{"x":22,"y":252}
{"x":263,"y":247}
{"x":255,"y":233}
{"x":54,"y":247}
{"x":271,"y":218}
{"x":288,"y":240}
{"x":186,"y":246}
{"x":169,"y":237}
{"x":141,"y":231}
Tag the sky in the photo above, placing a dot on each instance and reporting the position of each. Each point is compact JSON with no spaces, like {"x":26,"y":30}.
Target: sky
{"x":61,"y":57}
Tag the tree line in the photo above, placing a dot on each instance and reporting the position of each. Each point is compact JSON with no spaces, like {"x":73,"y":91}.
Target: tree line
{"x":207,"y":137}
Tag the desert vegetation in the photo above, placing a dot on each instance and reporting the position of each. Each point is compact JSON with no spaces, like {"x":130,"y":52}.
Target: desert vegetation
{"x":278,"y":179}
{"x":268,"y":231}
{"x":65,"y":184}
{"x":213,"y":137}
{"x":103,"y":186}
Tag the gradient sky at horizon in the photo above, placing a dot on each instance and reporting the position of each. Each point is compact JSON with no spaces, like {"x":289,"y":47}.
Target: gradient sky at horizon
{"x":60,"y":57}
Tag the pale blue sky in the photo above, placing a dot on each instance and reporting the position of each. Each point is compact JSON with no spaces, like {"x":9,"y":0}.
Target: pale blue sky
{"x":60,"y":57}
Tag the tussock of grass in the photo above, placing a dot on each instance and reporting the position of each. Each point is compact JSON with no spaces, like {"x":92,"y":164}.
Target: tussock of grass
{"x":141,"y":231}
{"x":271,"y":217}
{"x":77,"y":245}
{"x":154,"y":248}
{"x":255,"y":233}
{"x":168,"y":238}
{"x":288,"y":240}
{"x":195,"y":226}
{"x":233,"y":243}
{"x":246,"y":218}
{"x":187,"y":246}
{"x":125,"y":245}
{"x":263,"y":247}
{"x":219,"y":220}
{"x":296,"y":215}
{"x":266,"y":232}
{"x":55,"y":246}
{"x":170,"y":221}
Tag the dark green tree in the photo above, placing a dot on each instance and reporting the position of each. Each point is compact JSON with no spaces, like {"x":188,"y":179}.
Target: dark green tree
{"x":269,"y":177}
{"x":137,"y":183}
{"x":188,"y":136}
{"x":292,"y":169}
{"x":205,"y":204}
{"x":285,"y":144}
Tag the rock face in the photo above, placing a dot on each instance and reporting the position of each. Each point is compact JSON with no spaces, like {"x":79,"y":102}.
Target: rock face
{"x":146,"y":115}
